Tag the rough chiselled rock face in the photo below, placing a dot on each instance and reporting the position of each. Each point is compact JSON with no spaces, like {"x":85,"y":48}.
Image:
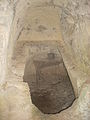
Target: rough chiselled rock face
{"x":50,"y":87}
{"x":26,"y":21}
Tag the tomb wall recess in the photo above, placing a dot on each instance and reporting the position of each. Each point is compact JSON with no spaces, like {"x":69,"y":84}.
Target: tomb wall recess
{"x":63,"y":24}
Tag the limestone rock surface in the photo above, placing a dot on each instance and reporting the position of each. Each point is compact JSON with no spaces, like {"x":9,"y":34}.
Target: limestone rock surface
{"x":25,"y":21}
{"x":14,"y":101}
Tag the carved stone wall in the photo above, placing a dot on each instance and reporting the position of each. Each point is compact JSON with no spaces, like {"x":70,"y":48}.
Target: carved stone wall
{"x":25,"y":21}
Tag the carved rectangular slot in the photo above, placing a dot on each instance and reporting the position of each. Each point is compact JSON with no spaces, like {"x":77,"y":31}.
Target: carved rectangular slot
{"x":50,"y":86}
